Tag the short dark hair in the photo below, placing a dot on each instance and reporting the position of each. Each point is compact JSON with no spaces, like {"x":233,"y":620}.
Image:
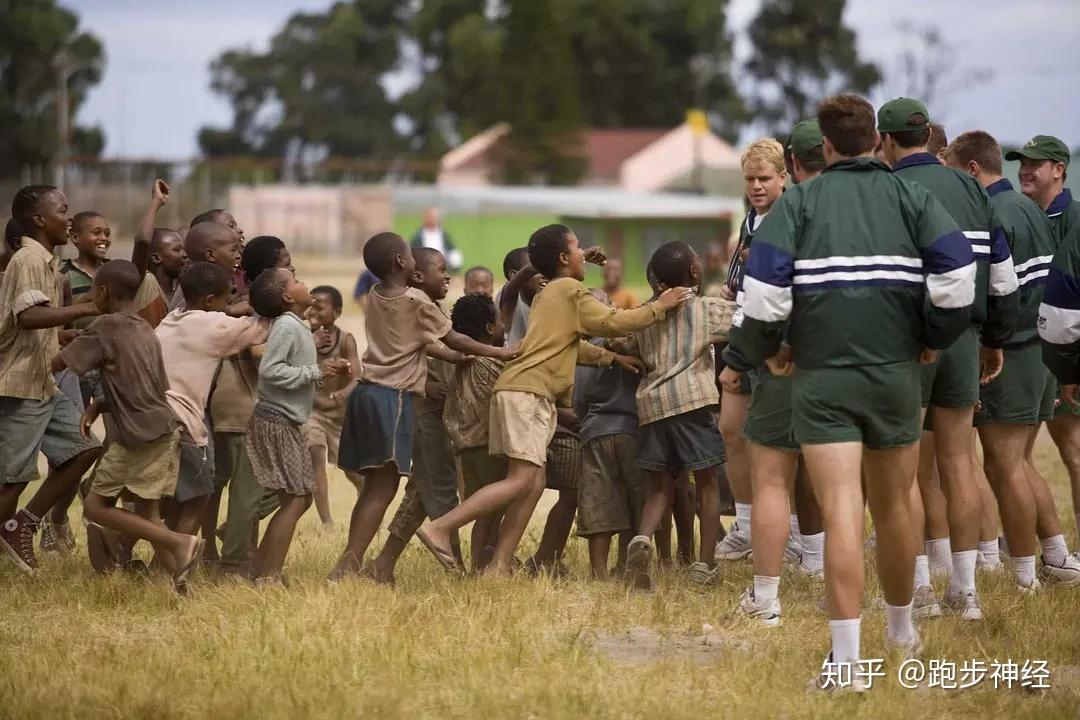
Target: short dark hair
{"x":260,"y":253}
{"x":379,"y":252}
{"x":478,"y":269}
{"x":425,"y":257}
{"x":203,"y":236}
{"x":849,"y":123}
{"x":26,"y":203}
{"x":267,"y":294}
{"x":913,"y":138}
{"x":545,"y":246}
{"x":121,"y":277}
{"x":208,"y":216}
{"x":200,"y":279}
{"x":161,"y":233}
{"x":938,"y":140}
{"x":671,"y":263}
{"x":80,"y":219}
{"x":977,"y":145}
{"x":515,"y":260}
{"x":336,"y":301}
{"x":13,"y":233}
{"x":471,"y":315}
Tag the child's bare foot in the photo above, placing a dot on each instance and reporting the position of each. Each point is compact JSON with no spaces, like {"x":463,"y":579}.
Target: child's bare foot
{"x":438,"y":545}
{"x":186,"y":556}
{"x":347,"y":565}
{"x":379,"y":573}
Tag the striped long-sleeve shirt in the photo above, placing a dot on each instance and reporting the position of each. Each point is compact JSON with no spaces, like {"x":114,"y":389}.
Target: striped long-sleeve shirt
{"x":868,"y":268}
{"x":1059,"y":313}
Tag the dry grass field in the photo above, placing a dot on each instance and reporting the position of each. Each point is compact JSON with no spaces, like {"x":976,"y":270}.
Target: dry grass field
{"x":77,"y":645}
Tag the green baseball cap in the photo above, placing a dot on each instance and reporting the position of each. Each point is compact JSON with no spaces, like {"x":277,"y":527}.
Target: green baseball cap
{"x":1041,"y":147}
{"x":805,"y":142}
{"x":895,"y":115}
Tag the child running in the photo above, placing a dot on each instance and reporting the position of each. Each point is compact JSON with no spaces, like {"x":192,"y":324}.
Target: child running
{"x":523,"y":408}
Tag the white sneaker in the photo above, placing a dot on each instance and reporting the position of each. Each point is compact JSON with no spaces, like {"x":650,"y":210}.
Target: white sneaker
{"x":638,"y":560}
{"x":766,"y":611}
{"x":911,"y":648}
{"x":818,"y":574}
{"x":982,"y":562}
{"x":924,"y":603}
{"x":1031,"y":589}
{"x":823,"y":682}
{"x":792,"y":552}
{"x":734,"y":546}
{"x":966,"y":605}
{"x":1067,"y":573}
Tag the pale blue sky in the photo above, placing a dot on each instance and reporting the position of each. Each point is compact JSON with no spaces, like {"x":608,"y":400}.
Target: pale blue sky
{"x":155,"y":94}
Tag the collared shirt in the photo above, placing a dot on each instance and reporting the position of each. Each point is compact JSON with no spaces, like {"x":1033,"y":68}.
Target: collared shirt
{"x":81,"y":282}
{"x":1059,"y":204}
{"x":998,"y":186}
{"x":25,"y":355}
{"x":468,"y":400}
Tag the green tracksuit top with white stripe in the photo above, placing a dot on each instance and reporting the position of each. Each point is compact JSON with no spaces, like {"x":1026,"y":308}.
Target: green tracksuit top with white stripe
{"x":868,"y":268}
{"x":1032,"y":243}
{"x":995,"y":277}
{"x":1059,"y":313}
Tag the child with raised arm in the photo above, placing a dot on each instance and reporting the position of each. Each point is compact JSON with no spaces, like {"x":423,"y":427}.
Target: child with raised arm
{"x":288,"y":374}
{"x":523,"y":407}
{"x":402,"y":323}
{"x":143,"y":454}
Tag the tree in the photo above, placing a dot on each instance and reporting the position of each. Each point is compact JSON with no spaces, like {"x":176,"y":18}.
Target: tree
{"x":39,"y":43}
{"x":317,"y":90}
{"x":928,"y":62}
{"x":802,"y":52}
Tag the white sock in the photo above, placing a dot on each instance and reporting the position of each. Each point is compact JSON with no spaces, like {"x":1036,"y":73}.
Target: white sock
{"x":898,"y":627}
{"x":813,"y":552}
{"x":962,"y":580}
{"x":1054,"y":550}
{"x":1003,"y":545}
{"x":793,"y":527}
{"x":845,"y":640}
{"x":1025,"y":569}
{"x":742,"y":517}
{"x":922,"y":571}
{"x":989,"y":549}
{"x":765,"y":587}
{"x":940,"y":554}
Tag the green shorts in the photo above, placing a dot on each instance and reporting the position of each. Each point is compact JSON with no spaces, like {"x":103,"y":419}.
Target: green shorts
{"x":480,"y":469}
{"x":877,"y":405}
{"x":1015,"y":397}
{"x":768,"y":419}
{"x":953,"y":381}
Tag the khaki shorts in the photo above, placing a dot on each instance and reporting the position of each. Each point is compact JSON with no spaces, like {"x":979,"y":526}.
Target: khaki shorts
{"x":323,"y":432}
{"x":148,"y":471}
{"x":521,"y":426}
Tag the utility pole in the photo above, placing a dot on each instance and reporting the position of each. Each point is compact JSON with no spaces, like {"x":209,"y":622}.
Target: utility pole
{"x":63,"y":114}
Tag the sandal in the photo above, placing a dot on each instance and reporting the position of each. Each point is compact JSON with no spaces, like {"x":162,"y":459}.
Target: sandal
{"x":446,"y":559}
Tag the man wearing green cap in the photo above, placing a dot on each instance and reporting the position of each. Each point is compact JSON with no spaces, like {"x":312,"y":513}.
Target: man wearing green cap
{"x":807,"y":160}
{"x":1015,"y":402}
{"x":951,"y":386}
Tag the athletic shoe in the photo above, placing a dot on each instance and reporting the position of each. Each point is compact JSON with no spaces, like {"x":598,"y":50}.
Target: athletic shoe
{"x":812,"y":574}
{"x":823,"y":682}
{"x":17,"y":540}
{"x":701,"y":574}
{"x":1067,"y":573}
{"x":766,"y":611}
{"x":734,"y":546}
{"x":924,"y":603}
{"x":47,"y":543}
{"x":638,"y":559}
{"x":982,"y":562}
{"x":1031,"y":589}
{"x":792,"y":551}
{"x":966,"y":605}
{"x":912,"y":648}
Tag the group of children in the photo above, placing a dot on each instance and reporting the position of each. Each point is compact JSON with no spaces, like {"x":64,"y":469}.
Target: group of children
{"x":213,"y":366}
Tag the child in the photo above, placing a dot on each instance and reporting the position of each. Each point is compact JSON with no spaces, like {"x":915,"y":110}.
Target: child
{"x":479,"y":280}
{"x":611,"y":492}
{"x":213,"y":243}
{"x":562,"y":472}
{"x":288,"y":373}
{"x":167,"y":261}
{"x":674,"y":401}
{"x":33,"y":415}
{"x":224,"y":217}
{"x":194,"y":341}
{"x":323,"y":428}
{"x":377,"y":436}
{"x":143,"y":453}
{"x":468,"y":398}
{"x":432,"y":488}
{"x":523,"y":406}
{"x":514,"y":305}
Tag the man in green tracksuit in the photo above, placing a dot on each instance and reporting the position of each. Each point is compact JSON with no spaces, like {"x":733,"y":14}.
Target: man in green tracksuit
{"x":1015,"y":402}
{"x":950,"y":387}
{"x":873,"y":275}
{"x":1044,"y":162}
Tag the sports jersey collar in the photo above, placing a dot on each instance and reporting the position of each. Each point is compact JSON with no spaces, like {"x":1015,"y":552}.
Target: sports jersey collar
{"x":923,"y":158}
{"x":858,"y":163}
{"x":1059,"y":203}
{"x":998,"y":186}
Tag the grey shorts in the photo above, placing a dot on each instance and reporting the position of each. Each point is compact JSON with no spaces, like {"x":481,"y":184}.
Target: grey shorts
{"x":28,"y":427}
{"x":196,"y":477}
{"x":689,"y":441}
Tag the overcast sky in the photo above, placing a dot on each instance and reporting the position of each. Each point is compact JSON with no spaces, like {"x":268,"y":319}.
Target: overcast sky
{"x":155,"y":93}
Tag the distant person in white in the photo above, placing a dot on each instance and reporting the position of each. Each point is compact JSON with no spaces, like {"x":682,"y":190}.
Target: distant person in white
{"x":432,"y":235}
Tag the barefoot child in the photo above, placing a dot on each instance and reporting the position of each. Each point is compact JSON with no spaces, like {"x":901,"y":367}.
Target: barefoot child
{"x":288,"y":373}
{"x":377,"y":437}
{"x":323,"y":428}
{"x":143,"y":454}
{"x":523,"y":407}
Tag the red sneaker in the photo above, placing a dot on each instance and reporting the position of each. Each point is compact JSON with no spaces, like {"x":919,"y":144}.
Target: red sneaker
{"x":17,"y":540}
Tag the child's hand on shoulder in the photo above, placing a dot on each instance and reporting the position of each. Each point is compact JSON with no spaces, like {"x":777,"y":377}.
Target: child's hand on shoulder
{"x":595,"y":255}
{"x":507,"y":353}
{"x":674,"y":297}
{"x":630,"y":363}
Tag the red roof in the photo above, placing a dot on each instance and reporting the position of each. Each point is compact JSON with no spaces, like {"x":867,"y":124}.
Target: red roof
{"x":607,"y":150}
